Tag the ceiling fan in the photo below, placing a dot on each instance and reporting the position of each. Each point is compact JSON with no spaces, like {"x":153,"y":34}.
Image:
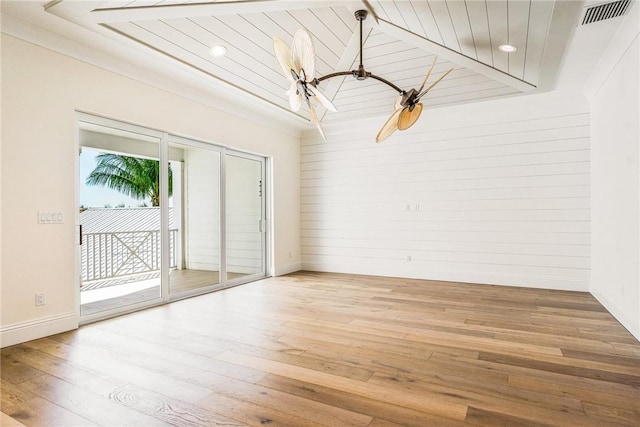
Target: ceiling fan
{"x":407,"y":108}
{"x":298,"y":66}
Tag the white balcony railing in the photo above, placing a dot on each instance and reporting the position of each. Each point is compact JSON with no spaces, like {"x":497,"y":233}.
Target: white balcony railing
{"x":118,"y":254}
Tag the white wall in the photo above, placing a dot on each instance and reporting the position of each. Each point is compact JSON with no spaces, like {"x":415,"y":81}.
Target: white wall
{"x":41,"y":90}
{"x":615,"y":108}
{"x":494,"y":192}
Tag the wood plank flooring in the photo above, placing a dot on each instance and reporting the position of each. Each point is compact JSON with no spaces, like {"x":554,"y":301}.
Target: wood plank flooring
{"x":315,"y":349}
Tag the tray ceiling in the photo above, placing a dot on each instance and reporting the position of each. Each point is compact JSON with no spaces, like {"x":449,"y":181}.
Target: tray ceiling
{"x":400,"y":40}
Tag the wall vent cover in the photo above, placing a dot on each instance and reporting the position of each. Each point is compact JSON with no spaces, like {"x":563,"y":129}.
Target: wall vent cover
{"x":605,"y":11}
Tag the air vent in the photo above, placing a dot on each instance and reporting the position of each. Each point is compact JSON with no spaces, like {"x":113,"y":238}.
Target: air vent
{"x":605,"y":11}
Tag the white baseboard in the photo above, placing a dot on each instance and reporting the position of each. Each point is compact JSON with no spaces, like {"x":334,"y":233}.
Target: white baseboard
{"x":516,"y":280}
{"x":633,"y":326}
{"x":38,"y":328}
{"x":281,"y":270}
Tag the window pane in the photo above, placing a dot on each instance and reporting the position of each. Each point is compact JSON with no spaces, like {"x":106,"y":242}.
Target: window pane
{"x":195,"y":208}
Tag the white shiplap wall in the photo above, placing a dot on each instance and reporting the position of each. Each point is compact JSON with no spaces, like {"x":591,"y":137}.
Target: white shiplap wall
{"x":492,"y":193}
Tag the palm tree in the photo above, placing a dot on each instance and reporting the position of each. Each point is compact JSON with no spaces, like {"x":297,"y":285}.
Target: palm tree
{"x":135,"y":177}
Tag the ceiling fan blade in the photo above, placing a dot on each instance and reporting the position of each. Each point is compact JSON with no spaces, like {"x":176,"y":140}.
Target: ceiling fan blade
{"x":295,"y":98}
{"x":433,"y":84}
{"x":424,"y":82}
{"x":371,"y":10}
{"x":304,"y":54}
{"x":390,"y":126}
{"x":314,"y":119}
{"x":283,"y":53}
{"x":398,"y":102}
{"x":409,"y":116}
{"x":323,"y":99}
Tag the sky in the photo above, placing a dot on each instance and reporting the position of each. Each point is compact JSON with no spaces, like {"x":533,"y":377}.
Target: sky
{"x":97,"y":196}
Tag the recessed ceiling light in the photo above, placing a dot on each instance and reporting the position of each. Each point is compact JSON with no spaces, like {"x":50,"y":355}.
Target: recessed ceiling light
{"x":218,"y":50}
{"x":509,"y":48}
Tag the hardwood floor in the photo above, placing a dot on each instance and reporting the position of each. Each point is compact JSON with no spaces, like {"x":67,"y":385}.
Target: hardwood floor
{"x":312,"y":349}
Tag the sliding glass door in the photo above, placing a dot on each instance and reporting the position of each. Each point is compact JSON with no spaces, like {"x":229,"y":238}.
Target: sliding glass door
{"x":119,"y":219}
{"x":245,"y":216}
{"x":217,"y":244}
{"x":148,"y":233}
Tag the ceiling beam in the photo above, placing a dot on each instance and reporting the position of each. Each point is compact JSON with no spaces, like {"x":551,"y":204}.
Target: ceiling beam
{"x":565,"y":15}
{"x":453,"y":56}
{"x":174,"y":11}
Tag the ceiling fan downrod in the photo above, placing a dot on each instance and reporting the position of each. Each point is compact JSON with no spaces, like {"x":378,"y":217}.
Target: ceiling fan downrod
{"x":360,"y":73}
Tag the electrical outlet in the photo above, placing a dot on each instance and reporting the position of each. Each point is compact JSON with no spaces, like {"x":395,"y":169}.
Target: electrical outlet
{"x":40,"y":299}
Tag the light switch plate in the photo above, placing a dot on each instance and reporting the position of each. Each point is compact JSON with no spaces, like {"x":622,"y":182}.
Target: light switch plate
{"x":50,"y":217}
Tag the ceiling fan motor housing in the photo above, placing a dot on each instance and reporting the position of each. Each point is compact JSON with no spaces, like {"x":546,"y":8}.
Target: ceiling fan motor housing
{"x":409,"y":98}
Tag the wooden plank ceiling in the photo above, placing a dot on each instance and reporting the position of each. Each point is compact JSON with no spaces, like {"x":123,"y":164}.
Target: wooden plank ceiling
{"x":401,"y":38}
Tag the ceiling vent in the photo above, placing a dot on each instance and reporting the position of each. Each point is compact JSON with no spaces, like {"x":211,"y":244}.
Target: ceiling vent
{"x":605,"y":11}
